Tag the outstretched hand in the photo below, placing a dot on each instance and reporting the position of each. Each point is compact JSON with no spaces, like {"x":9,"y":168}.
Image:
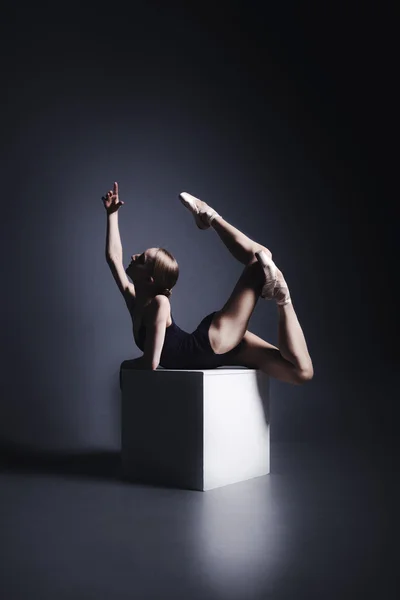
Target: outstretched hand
{"x":111,"y":200}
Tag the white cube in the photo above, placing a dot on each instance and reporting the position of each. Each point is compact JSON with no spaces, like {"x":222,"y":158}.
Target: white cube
{"x":194,"y":429}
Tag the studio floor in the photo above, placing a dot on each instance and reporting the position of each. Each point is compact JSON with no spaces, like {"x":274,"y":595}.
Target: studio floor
{"x":320,"y":525}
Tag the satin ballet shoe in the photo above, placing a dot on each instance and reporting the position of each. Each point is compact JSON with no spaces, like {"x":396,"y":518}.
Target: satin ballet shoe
{"x":275,"y":286}
{"x":281,"y":291}
{"x":203,"y":217}
{"x":270,"y":273}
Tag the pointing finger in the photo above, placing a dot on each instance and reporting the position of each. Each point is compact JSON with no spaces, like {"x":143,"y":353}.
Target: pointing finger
{"x":115,"y":188}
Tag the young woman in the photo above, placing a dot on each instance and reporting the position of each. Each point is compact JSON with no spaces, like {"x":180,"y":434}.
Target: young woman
{"x":222,"y":338}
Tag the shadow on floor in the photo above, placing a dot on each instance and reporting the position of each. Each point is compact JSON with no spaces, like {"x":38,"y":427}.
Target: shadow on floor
{"x":95,"y":465}
{"x":103,"y":465}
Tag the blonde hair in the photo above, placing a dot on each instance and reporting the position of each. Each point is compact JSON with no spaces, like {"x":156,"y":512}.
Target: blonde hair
{"x":165,"y":272}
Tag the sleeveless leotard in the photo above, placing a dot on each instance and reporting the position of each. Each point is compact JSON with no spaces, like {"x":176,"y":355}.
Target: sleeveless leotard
{"x":183,"y":350}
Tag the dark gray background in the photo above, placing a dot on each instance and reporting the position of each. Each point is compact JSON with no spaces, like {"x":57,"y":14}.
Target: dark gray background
{"x":280,"y":120}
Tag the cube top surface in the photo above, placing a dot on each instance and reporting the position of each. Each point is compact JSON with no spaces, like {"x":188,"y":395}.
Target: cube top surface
{"x":219,"y":371}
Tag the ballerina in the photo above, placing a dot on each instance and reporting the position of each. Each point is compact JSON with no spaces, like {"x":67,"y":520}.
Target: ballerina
{"x":222,"y":337}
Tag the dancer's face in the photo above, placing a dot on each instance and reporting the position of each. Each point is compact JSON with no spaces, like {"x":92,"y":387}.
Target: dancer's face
{"x":141,"y":265}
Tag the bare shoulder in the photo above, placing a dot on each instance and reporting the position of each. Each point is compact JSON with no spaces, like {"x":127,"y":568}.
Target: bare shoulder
{"x":159,"y":307}
{"x":161,"y":301}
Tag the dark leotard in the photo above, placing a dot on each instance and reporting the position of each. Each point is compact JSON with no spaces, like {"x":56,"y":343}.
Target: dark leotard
{"x":184,"y":350}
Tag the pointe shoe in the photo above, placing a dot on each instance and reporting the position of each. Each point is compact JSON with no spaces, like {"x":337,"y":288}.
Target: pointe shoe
{"x":275,"y":286}
{"x":281,"y":291}
{"x":203,"y":217}
{"x":270,"y":272}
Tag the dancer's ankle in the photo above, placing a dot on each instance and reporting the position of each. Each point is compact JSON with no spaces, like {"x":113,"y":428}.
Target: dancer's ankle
{"x":211,"y":215}
{"x":284,"y":303}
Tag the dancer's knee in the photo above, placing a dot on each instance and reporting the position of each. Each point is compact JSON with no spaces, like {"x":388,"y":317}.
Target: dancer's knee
{"x":304,"y":375}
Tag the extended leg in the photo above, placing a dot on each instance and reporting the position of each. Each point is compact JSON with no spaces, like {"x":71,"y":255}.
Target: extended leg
{"x":290,"y":362}
{"x":239,"y":245}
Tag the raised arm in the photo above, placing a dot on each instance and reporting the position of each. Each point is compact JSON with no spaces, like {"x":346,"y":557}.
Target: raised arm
{"x":114,"y":254}
{"x":113,"y":240}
